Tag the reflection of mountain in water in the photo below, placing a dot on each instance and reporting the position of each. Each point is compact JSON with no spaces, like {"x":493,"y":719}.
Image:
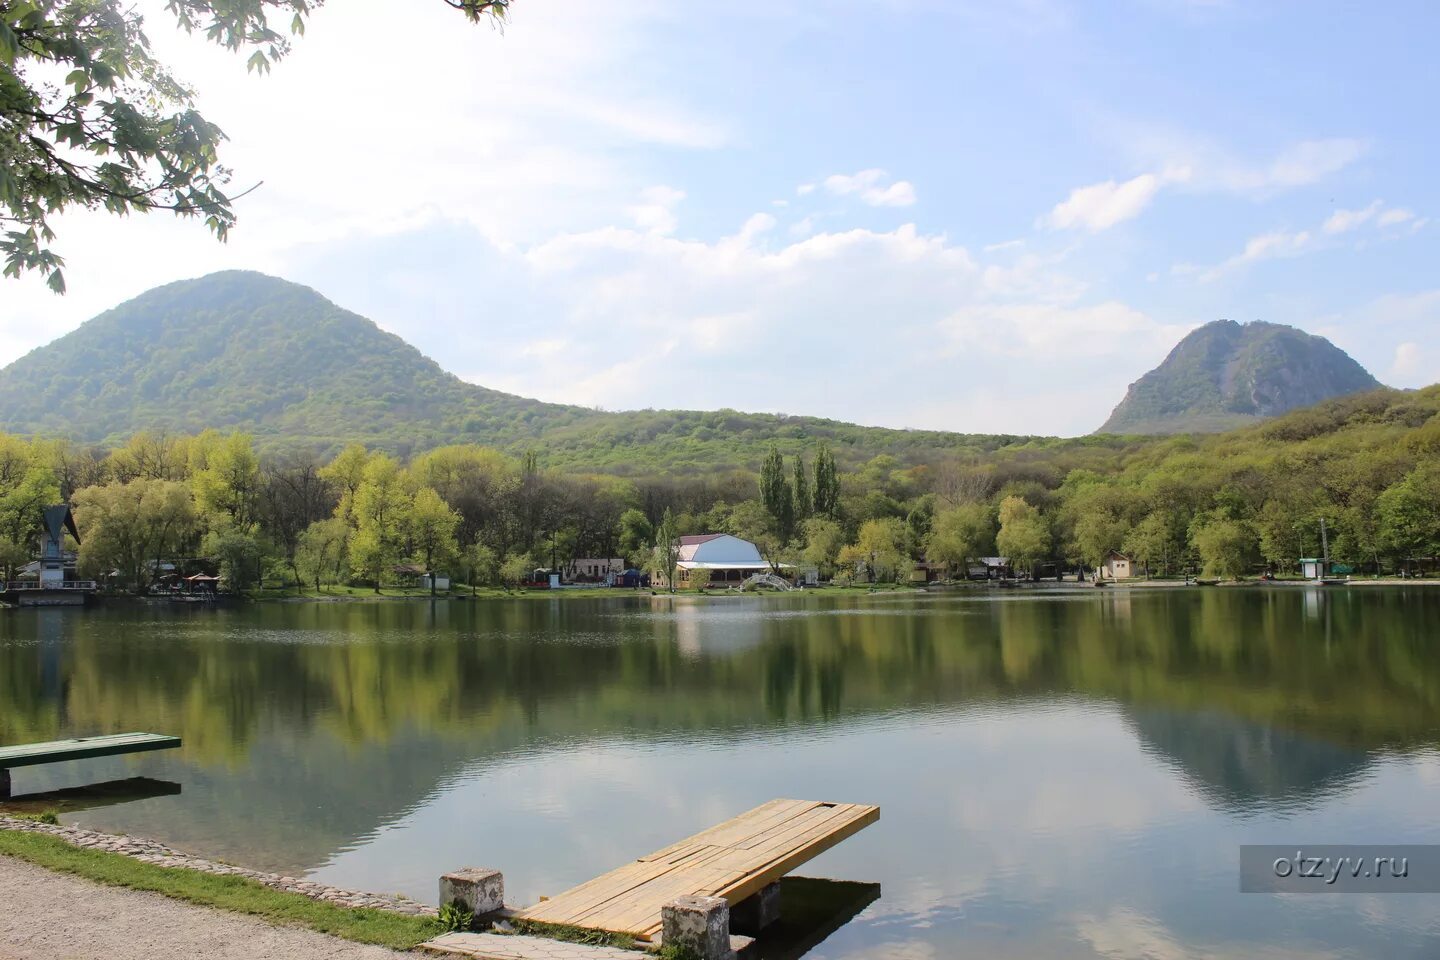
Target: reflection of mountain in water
{"x":1245,"y":767}
{"x":310,"y":727}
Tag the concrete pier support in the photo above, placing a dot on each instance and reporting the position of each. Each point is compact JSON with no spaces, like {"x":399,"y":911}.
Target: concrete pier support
{"x":757,"y":912}
{"x":480,"y":889}
{"x":700,"y":923}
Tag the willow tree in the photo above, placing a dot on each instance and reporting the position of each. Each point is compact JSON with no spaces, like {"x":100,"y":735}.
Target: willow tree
{"x":119,"y":132}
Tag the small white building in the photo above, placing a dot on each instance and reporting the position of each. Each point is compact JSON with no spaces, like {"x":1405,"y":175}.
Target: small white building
{"x":718,"y":558}
{"x":594,"y":569}
{"x":1116,"y":566}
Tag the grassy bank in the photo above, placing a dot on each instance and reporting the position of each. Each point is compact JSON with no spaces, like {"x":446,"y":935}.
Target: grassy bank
{"x":237,"y":894}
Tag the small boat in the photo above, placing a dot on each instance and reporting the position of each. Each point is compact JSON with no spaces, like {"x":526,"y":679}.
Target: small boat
{"x":1207,"y":583}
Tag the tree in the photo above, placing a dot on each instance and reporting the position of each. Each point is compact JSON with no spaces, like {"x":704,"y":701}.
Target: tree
{"x":238,"y":553}
{"x":635,"y":534}
{"x":1409,"y":514}
{"x":323,"y":551}
{"x":826,"y":497}
{"x":665,"y":551}
{"x":130,"y":526}
{"x":800,"y":496}
{"x":516,"y":569}
{"x":881,"y":546}
{"x":1024,"y":536}
{"x":1096,"y":534}
{"x":119,"y":132}
{"x":482,"y":565}
{"x":776,"y":495}
{"x":1226,"y":547}
{"x":432,"y":525}
{"x":380,"y":507}
{"x":225,"y":475}
{"x":12,"y":555}
{"x":346,"y":473}
{"x":823,"y":542}
{"x":959,"y":534}
{"x":1152,"y":540}
{"x":27,"y":487}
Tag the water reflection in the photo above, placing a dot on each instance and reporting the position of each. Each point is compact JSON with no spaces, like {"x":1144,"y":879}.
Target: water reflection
{"x":1062,"y":774}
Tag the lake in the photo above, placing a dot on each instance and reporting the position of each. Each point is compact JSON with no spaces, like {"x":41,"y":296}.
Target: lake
{"x":1061,"y":774}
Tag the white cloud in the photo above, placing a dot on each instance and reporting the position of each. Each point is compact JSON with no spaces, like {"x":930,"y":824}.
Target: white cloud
{"x":1342,"y":221}
{"x":805,"y":189}
{"x":1395,"y":216}
{"x":871,"y":187}
{"x":1057,"y":330}
{"x":1102,"y":205}
{"x":1274,"y":245}
{"x":841,"y":323}
{"x":1407,"y":361}
{"x":1302,"y":164}
{"x":656,"y":210}
{"x":1280,"y":244}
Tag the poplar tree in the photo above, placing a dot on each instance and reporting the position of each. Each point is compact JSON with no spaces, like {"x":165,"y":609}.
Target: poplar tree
{"x":826,"y":499}
{"x":800,"y":492}
{"x":775,"y":494}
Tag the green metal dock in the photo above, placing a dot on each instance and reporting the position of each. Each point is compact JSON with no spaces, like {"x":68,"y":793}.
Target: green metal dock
{"x":78,"y":748}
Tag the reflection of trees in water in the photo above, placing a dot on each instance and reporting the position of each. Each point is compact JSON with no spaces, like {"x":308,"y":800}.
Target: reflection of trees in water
{"x":1363,"y":676}
{"x":1246,"y":768}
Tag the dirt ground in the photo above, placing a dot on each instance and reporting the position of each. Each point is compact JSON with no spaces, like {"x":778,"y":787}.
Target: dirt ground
{"x":53,"y":916}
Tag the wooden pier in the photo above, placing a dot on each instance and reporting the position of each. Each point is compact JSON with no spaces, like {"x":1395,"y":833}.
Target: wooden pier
{"x":734,"y":861}
{"x":78,"y":748}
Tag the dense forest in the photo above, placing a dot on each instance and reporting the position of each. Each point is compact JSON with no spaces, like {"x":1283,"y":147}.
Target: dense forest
{"x":1231,"y":504}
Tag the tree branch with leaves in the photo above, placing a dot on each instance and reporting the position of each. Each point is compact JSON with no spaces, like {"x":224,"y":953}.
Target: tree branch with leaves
{"x":90,"y":118}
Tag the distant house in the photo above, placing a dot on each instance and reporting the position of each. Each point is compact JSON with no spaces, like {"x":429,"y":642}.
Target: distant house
{"x":718,"y":558}
{"x":593,"y":569}
{"x":58,"y":521}
{"x":1314,"y":568}
{"x":991,"y":568}
{"x":1116,"y":566}
{"x":925,"y":572}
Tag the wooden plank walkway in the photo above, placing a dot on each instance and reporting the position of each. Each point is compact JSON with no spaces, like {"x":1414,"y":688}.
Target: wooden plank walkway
{"x":733,"y":860}
{"x":81,"y":748}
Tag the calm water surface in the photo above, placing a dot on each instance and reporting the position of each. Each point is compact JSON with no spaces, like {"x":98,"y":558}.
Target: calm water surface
{"x":1063,"y":775}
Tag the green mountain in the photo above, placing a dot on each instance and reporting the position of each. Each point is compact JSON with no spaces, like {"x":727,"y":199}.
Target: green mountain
{"x":249,"y":351}
{"x":1225,"y":375}
{"x":241,"y":350}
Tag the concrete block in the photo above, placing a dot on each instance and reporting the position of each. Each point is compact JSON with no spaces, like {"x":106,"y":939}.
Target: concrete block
{"x":481,"y":890}
{"x":756,"y":912}
{"x":700,"y":923}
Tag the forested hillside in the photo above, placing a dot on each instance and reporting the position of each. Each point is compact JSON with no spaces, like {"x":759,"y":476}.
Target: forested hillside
{"x":245,"y":351}
{"x":1230,"y":503}
{"x":1225,"y":375}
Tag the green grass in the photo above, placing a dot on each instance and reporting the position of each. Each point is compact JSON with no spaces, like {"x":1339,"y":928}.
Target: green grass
{"x":574,"y":934}
{"x":236,"y":894}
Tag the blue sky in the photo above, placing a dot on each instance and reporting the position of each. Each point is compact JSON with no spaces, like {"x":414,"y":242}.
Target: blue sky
{"x":977,"y":217}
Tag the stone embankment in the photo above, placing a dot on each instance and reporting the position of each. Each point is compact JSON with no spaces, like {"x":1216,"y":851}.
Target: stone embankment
{"x":151,"y":851}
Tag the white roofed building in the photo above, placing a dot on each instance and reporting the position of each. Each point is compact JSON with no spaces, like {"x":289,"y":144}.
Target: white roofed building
{"x":717,"y":558}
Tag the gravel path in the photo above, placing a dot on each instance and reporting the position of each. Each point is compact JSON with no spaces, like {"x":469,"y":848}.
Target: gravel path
{"x":54,"y":916}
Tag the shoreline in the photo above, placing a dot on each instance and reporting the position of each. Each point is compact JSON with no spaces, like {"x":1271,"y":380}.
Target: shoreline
{"x":491,"y":594}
